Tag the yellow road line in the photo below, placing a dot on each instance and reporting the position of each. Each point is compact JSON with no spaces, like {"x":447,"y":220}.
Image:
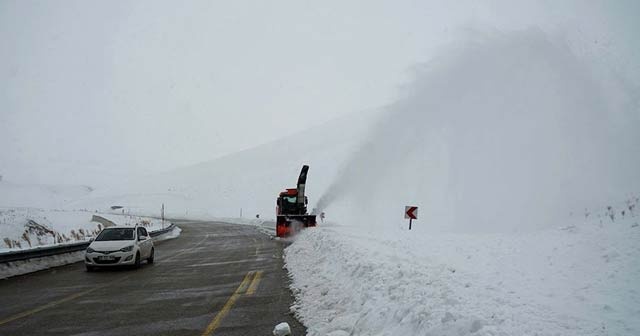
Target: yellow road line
{"x":254,"y":283}
{"x":55,"y":303}
{"x":215,"y":323}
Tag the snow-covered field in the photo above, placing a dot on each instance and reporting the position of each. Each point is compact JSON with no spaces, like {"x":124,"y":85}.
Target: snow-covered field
{"x":581,"y":279}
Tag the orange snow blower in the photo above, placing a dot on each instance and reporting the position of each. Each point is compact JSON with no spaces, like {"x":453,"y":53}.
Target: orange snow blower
{"x":291,"y":209}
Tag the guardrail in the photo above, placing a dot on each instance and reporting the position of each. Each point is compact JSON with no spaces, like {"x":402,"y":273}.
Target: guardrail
{"x":48,"y":251}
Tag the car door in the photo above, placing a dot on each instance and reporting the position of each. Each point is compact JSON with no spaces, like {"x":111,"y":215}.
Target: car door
{"x":143,"y":243}
{"x":147,"y":242}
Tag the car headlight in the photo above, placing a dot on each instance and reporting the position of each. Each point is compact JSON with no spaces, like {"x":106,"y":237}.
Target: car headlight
{"x":90,"y":250}
{"x":126,"y":249}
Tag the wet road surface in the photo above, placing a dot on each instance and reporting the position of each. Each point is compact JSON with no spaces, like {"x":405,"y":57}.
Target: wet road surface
{"x":215,"y":279}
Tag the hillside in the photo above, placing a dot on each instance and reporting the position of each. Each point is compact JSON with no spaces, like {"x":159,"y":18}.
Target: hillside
{"x":40,"y":196}
{"x":250,"y":179}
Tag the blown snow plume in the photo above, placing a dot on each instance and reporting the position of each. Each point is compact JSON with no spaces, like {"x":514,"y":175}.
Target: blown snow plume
{"x":501,"y":132}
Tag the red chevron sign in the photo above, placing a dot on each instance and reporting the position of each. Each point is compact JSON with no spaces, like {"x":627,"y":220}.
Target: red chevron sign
{"x":411,"y":212}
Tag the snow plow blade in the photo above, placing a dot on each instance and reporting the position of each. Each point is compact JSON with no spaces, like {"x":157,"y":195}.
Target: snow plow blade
{"x":289,"y":225}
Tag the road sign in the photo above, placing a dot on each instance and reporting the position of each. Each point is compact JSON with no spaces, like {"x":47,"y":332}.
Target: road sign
{"x":411,"y":212}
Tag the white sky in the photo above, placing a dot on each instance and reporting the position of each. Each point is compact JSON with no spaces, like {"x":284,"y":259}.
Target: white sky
{"x":91,"y":91}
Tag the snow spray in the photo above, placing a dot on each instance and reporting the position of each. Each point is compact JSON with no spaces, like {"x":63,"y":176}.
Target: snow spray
{"x":503,"y":131}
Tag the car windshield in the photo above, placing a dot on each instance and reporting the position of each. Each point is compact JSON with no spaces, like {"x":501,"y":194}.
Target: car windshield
{"x":115,"y":234}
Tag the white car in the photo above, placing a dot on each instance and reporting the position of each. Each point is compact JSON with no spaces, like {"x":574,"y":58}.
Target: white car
{"x":119,"y":245}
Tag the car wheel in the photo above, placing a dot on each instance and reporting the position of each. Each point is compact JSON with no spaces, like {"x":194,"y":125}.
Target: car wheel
{"x":90,"y":268}
{"x":150,"y":259}
{"x":137,"y":263}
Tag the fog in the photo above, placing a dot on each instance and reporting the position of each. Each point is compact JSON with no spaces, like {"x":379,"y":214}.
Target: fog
{"x":500,"y":131}
{"x":93,"y":92}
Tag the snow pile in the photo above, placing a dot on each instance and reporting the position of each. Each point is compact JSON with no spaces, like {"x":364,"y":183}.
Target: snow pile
{"x":282,"y":329}
{"x":175,"y":233}
{"x":577,"y":280}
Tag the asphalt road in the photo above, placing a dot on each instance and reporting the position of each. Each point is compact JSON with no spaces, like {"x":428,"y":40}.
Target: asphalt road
{"x":215,"y":279}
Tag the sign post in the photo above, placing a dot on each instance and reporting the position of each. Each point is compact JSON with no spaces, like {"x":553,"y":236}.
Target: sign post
{"x":410,"y":213}
{"x":162,"y":215}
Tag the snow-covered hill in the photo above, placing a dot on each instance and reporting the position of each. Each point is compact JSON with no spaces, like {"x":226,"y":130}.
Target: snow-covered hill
{"x":249,"y":180}
{"x":40,"y":196}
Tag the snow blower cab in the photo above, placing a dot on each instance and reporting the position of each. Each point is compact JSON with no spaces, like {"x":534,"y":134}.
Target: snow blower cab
{"x":291,"y":208}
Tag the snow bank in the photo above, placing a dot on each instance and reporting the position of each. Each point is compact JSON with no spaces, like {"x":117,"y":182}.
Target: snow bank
{"x":577,"y":280}
{"x":175,"y":233}
{"x":15,"y":268}
{"x":22,"y":228}
{"x":37,"y":264}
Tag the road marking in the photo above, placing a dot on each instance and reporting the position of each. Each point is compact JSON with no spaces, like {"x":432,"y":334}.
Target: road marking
{"x":215,"y":323}
{"x":187,"y":250}
{"x":80,"y":294}
{"x":226,"y":262}
{"x":55,"y":303}
{"x":254,"y":283}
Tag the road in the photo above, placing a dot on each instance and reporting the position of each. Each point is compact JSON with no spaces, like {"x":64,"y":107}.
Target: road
{"x":215,"y":279}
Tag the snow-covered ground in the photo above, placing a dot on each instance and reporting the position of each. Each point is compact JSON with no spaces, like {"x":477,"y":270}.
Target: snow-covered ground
{"x":581,"y":279}
{"x":22,"y":228}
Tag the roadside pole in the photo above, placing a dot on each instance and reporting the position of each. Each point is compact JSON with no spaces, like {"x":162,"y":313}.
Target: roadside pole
{"x":162,"y":215}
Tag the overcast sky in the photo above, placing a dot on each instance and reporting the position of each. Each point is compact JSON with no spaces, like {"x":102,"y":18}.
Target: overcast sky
{"x":91,"y":91}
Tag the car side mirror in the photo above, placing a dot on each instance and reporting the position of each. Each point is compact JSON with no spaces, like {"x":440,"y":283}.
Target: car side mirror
{"x":91,"y":240}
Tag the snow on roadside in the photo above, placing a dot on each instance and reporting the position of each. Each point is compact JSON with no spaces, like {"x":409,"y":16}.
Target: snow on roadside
{"x":23,"y":228}
{"x":579,"y":280}
{"x":175,"y":233}
{"x":267,"y":227}
{"x":152,"y":224}
{"x":15,"y":268}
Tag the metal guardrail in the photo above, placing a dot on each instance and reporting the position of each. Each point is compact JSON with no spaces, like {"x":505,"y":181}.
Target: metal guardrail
{"x":40,"y":252}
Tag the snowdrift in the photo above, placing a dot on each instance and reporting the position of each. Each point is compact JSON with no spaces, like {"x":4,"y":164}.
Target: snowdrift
{"x":576,"y":280}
